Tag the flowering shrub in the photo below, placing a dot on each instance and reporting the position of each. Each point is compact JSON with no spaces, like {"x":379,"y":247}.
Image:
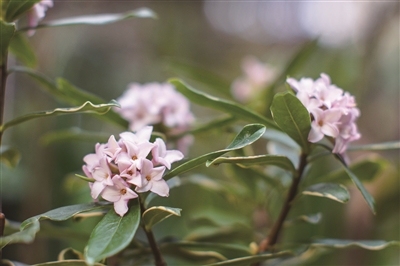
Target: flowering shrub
{"x":241,"y":205}
{"x":333,"y":111}
{"x":118,"y":166}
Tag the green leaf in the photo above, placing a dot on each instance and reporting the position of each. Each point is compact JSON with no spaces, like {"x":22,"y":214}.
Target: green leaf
{"x":366,"y":170}
{"x":112,"y":234}
{"x":31,"y":226}
{"x":331,"y":191}
{"x":23,"y":50}
{"x":16,"y":8}
{"x":156,"y":214}
{"x":368,"y":198}
{"x":391,"y":145}
{"x":292,"y":117}
{"x":345,"y":243}
{"x":229,"y":107}
{"x":172,"y":183}
{"x":9,"y":156}
{"x":87,"y":107}
{"x":309,"y":218}
{"x":76,"y":134}
{"x":245,"y":137}
{"x":276,"y":160}
{"x":7,"y":31}
{"x":67,"y":263}
{"x":100,"y":19}
{"x":245,"y":261}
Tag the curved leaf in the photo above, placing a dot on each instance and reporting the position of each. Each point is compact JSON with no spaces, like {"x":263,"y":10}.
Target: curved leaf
{"x":31,"y":226}
{"x":331,"y":191}
{"x":16,"y":8}
{"x":229,"y":107}
{"x":9,"y":156}
{"x":309,"y":218}
{"x":87,"y":107}
{"x":245,"y":261}
{"x":292,"y":117}
{"x":154,"y":215}
{"x":276,"y":160}
{"x":246,"y":136}
{"x":100,"y":19}
{"x":7,"y":31}
{"x":67,"y":263}
{"x":345,"y":243}
{"x":112,"y":234}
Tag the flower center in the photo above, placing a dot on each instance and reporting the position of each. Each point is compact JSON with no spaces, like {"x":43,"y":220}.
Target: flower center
{"x":148,"y":178}
{"x":123,"y":191}
{"x":134,"y":157}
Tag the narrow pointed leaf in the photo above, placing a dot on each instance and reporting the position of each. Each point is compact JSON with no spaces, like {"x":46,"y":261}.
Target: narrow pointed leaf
{"x":154,"y":215}
{"x":345,"y":243}
{"x":112,"y":234}
{"x":22,"y":49}
{"x":391,"y":145}
{"x":276,"y":160}
{"x":87,"y":107}
{"x":331,"y":191}
{"x":309,"y":218}
{"x":223,"y":105}
{"x":100,"y":19}
{"x":245,"y":137}
{"x":7,"y":31}
{"x":9,"y":156}
{"x":67,"y":263}
{"x":245,"y":261}
{"x":31,"y":226}
{"x":292,"y":117}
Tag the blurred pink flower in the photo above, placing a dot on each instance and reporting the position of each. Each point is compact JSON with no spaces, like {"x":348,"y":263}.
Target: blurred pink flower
{"x":37,"y":13}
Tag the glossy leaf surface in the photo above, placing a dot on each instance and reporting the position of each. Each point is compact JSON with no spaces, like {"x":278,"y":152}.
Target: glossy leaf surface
{"x":331,"y":191}
{"x":156,"y":214}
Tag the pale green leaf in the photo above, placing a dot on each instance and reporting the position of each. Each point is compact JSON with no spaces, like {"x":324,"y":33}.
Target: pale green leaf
{"x":112,"y":234}
{"x":345,"y":243}
{"x":391,"y":145}
{"x":26,"y":235}
{"x":156,"y":214}
{"x":22,"y":49}
{"x":99,"y":19}
{"x":331,"y":191}
{"x":67,"y":263}
{"x":292,"y":117}
{"x":223,"y":105}
{"x":245,"y":137}
{"x":9,"y":156}
{"x":87,"y":107}
{"x":245,"y":261}
{"x":276,"y":160}
{"x":7,"y":31}
{"x":309,"y":218}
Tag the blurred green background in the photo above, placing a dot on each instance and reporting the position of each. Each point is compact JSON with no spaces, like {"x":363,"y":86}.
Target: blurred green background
{"x":358,"y":47}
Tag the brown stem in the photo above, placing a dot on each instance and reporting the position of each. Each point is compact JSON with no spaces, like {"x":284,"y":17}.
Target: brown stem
{"x":2,"y":225}
{"x":272,"y":238}
{"x":159,"y":260}
{"x":3,"y":80}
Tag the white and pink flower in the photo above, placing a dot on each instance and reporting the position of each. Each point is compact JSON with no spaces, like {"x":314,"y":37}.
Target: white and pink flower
{"x":37,"y":13}
{"x":132,"y":163}
{"x":333,"y":111}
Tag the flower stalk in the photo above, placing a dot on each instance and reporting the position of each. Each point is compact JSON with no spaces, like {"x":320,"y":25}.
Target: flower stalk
{"x":272,"y":238}
{"x":3,"y":81}
{"x":159,"y":260}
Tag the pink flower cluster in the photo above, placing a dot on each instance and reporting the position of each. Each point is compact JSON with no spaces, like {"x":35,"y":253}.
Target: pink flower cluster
{"x":131,"y":165}
{"x":332,"y":110}
{"x":154,"y":103}
{"x":37,"y":13}
{"x":256,"y":77}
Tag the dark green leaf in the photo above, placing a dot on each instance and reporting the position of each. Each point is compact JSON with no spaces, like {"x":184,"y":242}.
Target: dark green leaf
{"x":7,"y":31}
{"x":16,"y":8}
{"x":245,"y":261}
{"x":9,"y":156}
{"x":345,"y":243}
{"x":22,"y":50}
{"x":156,"y":214}
{"x":100,"y":19}
{"x":292,"y":117}
{"x":245,"y":137}
{"x":331,"y":191}
{"x":229,"y":107}
{"x":276,"y":160}
{"x":87,"y":107}
{"x":31,"y":226}
{"x":112,"y":234}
